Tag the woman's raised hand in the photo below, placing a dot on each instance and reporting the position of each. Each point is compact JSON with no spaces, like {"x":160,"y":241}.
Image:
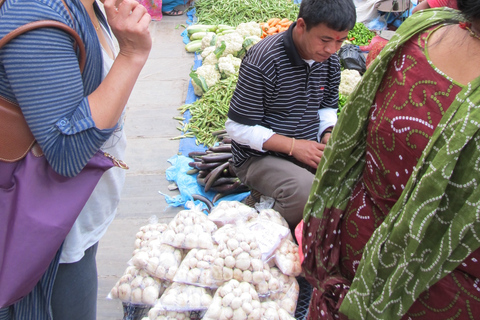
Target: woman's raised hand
{"x":129,"y":22}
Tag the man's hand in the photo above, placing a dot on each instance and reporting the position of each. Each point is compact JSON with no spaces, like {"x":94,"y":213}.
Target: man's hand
{"x":325,"y":138}
{"x":308,"y":152}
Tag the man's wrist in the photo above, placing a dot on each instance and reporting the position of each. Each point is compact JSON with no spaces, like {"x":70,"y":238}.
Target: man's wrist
{"x":328,"y":130}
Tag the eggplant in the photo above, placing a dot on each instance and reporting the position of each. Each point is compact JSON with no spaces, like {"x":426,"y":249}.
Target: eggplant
{"x":217,"y":157}
{"x":221,"y":148}
{"x":204,"y":166}
{"x":194,"y":154}
{"x":214,"y":175}
{"x":204,"y":200}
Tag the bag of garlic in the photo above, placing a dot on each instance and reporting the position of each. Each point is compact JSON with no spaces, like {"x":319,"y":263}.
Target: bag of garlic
{"x":234,"y":300}
{"x":287,"y":296}
{"x":137,"y":287}
{"x":184,"y":297}
{"x":197,"y":269}
{"x":189,"y":229}
{"x":158,"y":259}
{"x":274,"y":216}
{"x":268,"y":235}
{"x":212,"y":267}
{"x":271,"y":310}
{"x":156,"y":313}
{"x":231,"y":212}
{"x":287,"y":259}
{"x":149,"y":232}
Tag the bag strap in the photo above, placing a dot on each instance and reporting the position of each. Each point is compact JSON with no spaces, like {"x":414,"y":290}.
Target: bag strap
{"x":46,"y":24}
{"x":16,"y":139}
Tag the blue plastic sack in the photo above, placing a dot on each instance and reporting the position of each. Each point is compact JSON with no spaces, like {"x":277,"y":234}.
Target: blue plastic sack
{"x":188,"y":186}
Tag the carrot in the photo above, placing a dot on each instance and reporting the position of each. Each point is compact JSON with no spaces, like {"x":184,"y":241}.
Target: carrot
{"x":270,"y":21}
{"x":274,"y":22}
{"x":272,"y":30}
{"x":283,"y":20}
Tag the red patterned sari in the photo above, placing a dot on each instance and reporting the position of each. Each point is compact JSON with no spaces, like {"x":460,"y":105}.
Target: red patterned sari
{"x":369,"y":237}
{"x":397,"y":133}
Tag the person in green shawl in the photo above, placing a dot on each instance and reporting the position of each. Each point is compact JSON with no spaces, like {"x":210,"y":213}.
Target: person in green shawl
{"x":391,"y":229}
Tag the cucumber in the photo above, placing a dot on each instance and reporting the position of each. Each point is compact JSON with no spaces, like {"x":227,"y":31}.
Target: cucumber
{"x":194,"y":46}
{"x":198,"y":35}
{"x":201,"y":28}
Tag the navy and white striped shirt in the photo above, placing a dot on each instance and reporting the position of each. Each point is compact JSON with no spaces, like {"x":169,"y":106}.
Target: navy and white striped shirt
{"x":277,"y":89}
{"x":39,"y":70}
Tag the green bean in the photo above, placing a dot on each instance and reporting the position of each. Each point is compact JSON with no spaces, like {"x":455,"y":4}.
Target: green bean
{"x":234,"y":12}
{"x":209,"y":113}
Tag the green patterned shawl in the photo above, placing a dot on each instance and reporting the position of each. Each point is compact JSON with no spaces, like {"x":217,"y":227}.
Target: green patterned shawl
{"x":435,"y":224}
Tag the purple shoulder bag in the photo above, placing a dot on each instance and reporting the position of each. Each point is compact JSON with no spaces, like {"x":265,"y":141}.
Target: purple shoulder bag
{"x":38,"y":207}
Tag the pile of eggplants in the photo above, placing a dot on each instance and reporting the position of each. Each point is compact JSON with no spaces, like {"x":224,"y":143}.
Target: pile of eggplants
{"x":214,"y":169}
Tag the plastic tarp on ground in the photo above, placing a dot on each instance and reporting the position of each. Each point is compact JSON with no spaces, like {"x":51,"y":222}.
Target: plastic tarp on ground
{"x":187,"y":184}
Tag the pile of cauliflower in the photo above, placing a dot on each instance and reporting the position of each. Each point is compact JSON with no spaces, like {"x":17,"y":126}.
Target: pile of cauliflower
{"x":224,"y":274}
{"x":222,"y":55}
{"x":348,"y":81}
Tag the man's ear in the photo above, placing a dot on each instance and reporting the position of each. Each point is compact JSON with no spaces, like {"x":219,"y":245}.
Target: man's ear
{"x":301,"y":26}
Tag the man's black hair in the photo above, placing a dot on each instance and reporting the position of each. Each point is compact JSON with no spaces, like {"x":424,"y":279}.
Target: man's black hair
{"x":339,"y":15}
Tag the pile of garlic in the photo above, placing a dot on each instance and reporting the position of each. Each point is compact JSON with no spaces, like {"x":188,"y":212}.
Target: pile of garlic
{"x":271,"y":311}
{"x":287,"y":258}
{"x":189,"y":229}
{"x":234,"y":300}
{"x":148,"y":233}
{"x":287,"y":296}
{"x":231,"y":212}
{"x":236,"y":256}
{"x":183,"y":297}
{"x":268,"y":235}
{"x":196,"y":268}
{"x":156,"y":313}
{"x":137,"y":287}
{"x":158,"y":259}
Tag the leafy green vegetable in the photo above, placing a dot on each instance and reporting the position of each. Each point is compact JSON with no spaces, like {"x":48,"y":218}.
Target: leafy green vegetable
{"x":360,"y":35}
{"x":341,"y":102}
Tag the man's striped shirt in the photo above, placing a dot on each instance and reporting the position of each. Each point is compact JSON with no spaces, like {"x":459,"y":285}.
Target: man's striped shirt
{"x":277,"y":89}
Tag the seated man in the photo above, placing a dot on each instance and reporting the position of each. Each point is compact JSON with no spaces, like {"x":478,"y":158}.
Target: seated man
{"x":285,"y":103}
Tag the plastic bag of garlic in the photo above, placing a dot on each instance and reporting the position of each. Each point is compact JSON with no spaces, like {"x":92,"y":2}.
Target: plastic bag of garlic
{"x":137,"y":287}
{"x":189,"y":229}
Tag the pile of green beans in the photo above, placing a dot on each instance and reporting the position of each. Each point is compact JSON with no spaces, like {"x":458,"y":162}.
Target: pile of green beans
{"x":234,"y":12}
{"x":209,"y":113}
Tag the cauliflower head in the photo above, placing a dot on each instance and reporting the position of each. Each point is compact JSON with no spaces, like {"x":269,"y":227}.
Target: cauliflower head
{"x":207,"y":51}
{"x":209,"y":40}
{"x":250,"y":41}
{"x":210,"y":59}
{"x":247,"y":29}
{"x":203,"y":78}
{"x":229,"y":65}
{"x":233,"y":43}
{"x":348,"y":80}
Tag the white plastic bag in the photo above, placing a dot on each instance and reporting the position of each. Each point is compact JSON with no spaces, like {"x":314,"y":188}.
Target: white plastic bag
{"x":137,"y":287}
{"x":184,"y":297}
{"x":189,"y":229}
{"x":158,"y":259}
{"x":231,"y":212}
{"x":234,"y":300}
